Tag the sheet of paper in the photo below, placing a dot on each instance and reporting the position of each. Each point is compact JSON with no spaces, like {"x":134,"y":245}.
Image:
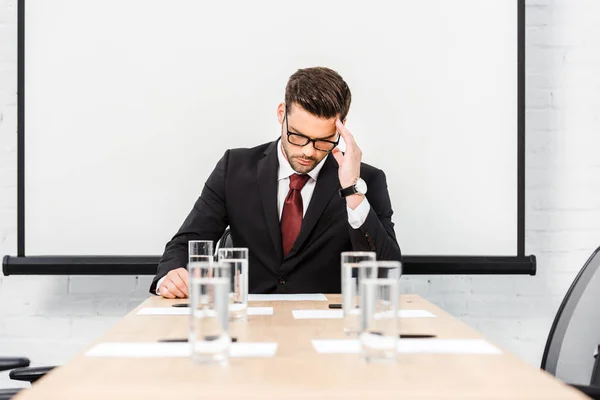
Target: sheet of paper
{"x":160,"y":350}
{"x":240,"y":349}
{"x":446,"y":346}
{"x":137,"y":350}
{"x":415,"y":314}
{"x":287,"y":297}
{"x":317,"y":314}
{"x":412,"y":346}
{"x":260,"y":310}
{"x":164,"y":311}
{"x":333,"y":314}
{"x":335,"y":346}
{"x":186,"y":311}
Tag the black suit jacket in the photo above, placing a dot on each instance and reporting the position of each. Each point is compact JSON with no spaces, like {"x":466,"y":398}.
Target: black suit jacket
{"x":241,"y":193}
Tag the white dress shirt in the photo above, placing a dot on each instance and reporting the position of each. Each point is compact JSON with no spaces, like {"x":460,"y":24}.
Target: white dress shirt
{"x":356,"y":217}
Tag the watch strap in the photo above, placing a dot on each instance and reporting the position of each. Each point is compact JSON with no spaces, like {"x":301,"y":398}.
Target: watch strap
{"x":350,"y":190}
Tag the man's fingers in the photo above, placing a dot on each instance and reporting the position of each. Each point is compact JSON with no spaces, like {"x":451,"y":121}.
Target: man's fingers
{"x":183,"y":274}
{"x":180,"y":283}
{"x":174,"y":289}
{"x":185,"y":277}
{"x":339,"y":157}
{"x":346,"y":135}
{"x":164,"y":292}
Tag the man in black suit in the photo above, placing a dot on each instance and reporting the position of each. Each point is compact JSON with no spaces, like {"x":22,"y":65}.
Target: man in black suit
{"x":295,"y":203}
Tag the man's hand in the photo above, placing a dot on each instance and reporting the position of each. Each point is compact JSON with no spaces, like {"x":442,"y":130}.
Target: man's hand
{"x":349,"y":164}
{"x":175,"y":285}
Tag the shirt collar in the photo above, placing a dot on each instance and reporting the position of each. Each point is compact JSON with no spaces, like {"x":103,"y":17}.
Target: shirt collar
{"x":285,"y":169}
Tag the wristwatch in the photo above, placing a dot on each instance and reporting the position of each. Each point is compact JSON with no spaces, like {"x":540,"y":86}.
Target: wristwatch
{"x":360,"y":187}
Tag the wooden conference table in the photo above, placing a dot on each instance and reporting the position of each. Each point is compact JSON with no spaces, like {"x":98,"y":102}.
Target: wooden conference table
{"x":297,"y":370}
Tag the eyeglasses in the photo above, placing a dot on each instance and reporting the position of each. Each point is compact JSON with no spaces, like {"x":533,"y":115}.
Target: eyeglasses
{"x":300,"y":140}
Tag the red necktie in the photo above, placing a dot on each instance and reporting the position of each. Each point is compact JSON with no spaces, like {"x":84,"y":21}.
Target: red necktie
{"x":291,"y":217}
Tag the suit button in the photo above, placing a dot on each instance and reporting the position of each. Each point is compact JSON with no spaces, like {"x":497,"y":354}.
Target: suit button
{"x":281,"y":281}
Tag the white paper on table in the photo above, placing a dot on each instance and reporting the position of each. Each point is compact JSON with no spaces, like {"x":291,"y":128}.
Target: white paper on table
{"x":412,"y":346}
{"x":335,"y":346}
{"x":317,"y":314}
{"x":160,"y":350}
{"x":164,"y":311}
{"x":287,"y":297}
{"x":260,"y":311}
{"x":186,"y":311}
{"x":240,"y":349}
{"x":446,"y":346}
{"x":149,"y":349}
{"x":415,"y":314}
{"x":333,"y":314}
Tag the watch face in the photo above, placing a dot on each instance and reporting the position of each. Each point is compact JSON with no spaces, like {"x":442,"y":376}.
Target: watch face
{"x":361,"y":186}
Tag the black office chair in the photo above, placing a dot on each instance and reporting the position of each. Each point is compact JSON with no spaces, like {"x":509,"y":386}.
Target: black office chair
{"x":20,"y":371}
{"x":596,"y":371}
{"x":225,"y":242}
{"x":8,"y":363}
{"x":8,"y":394}
{"x":29,"y":374}
{"x":574,"y":337}
{"x":32,"y":374}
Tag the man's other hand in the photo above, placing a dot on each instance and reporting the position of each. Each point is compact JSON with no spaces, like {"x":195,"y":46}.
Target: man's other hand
{"x":175,"y":285}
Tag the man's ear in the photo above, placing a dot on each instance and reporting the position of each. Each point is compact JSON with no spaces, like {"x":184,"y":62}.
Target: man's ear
{"x":280,"y":112}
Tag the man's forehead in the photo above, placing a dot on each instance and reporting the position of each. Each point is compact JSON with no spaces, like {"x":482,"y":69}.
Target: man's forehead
{"x":313,"y":132}
{"x":310,"y":125}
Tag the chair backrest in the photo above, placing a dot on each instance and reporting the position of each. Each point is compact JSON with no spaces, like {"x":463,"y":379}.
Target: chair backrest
{"x":13,"y":362}
{"x":8,"y":394}
{"x":596,"y":373}
{"x":575,"y":333}
{"x":225,"y":242}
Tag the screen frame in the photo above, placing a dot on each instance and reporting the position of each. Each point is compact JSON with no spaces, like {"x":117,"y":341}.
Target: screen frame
{"x":146,"y":265}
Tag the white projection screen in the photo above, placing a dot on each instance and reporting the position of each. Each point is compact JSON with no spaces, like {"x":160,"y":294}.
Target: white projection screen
{"x":127,"y":105}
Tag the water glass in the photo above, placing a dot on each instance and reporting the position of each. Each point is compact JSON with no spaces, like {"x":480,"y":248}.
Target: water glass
{"x":379,"y":319}
{"x":209,"y":313}
{"x":236,"y":260}
{"x":200,"y":250}
{"x":350,"y":288}
{"x":380,"y":269}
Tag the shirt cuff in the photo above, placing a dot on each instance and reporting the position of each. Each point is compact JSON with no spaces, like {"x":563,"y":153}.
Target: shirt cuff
{"x":160,"y":281}
{"x":358,"y":216}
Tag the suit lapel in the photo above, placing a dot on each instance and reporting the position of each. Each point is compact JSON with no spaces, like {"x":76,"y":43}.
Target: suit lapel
{"x":327,"y":185}
{"x":267,"y":187}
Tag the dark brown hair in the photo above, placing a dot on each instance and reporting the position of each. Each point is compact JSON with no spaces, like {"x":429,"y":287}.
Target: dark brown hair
{"x":320,"y":91}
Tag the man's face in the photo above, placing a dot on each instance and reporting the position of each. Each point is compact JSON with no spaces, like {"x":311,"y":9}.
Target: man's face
{"x":304,"y":159}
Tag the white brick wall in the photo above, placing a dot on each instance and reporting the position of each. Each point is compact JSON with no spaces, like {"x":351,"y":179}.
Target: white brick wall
{"x":49,"y":319}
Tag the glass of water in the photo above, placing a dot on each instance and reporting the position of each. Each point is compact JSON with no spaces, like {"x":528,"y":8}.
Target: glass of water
{"x":200,"y":250}
{"x":379,"y":319}
{"x":209,"y":313}
{"x":350,"y":288}
{"x":380,"y":269}
{"x":236,"y":260}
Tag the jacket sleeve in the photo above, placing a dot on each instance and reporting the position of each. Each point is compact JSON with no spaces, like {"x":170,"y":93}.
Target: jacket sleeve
{"x":377,"y":232}
{"x":207,"y":221}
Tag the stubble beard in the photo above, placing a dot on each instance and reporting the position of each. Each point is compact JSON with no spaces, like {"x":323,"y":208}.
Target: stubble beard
{"x":296,"y":166}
